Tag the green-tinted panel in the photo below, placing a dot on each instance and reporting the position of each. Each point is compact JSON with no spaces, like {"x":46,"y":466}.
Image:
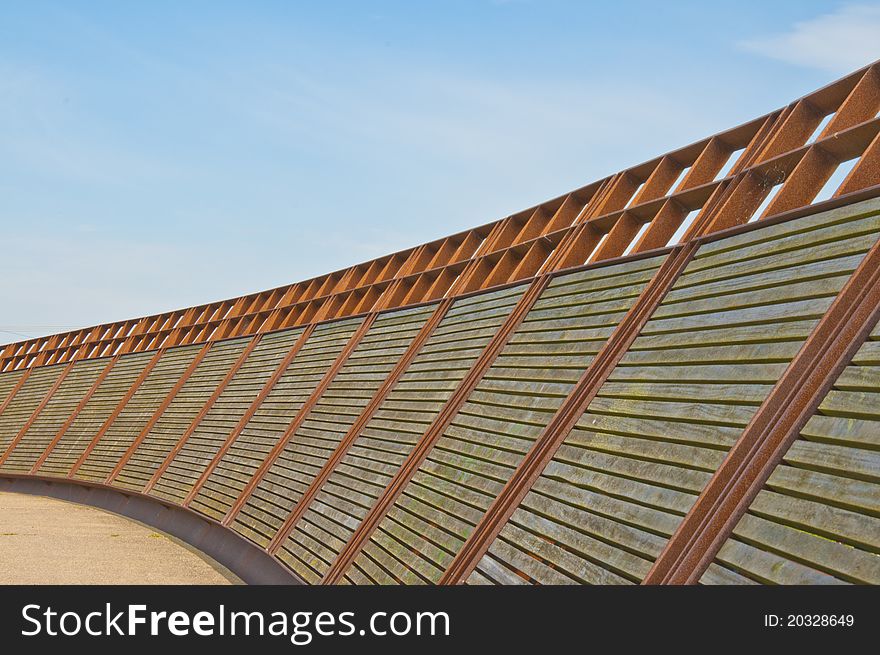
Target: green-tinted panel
{"x":618,"y":487}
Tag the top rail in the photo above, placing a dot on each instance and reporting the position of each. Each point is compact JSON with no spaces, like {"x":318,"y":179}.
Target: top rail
{"x":776,"y":164}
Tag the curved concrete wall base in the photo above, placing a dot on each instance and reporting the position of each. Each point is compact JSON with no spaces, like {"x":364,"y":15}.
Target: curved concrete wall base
{"x":248,"y":562}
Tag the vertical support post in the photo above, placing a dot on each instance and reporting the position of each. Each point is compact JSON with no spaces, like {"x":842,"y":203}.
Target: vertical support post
{"x":366,"y":415}
{"x":115,"y":413}
{"x":774,"y":427}
{"x":82,"y":403}
{"x":202,"y":412}
{"x":300,"y":417}
{"x":193,"y":365}
{"x":435,"y":430}
{"x":251,"y":410}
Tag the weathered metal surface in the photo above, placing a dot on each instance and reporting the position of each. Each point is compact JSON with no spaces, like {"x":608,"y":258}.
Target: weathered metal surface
{"x":687,"y":386}
{"x":266,"y":499}
{"x":100,"y":410}
{"x":794,"y":399}
{"x":547,"y":443}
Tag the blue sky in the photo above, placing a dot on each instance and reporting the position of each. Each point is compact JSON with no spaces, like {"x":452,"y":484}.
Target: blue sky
{"x":164,"y":154}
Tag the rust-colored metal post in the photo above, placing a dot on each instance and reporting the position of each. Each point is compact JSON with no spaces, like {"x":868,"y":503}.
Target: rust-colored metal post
{"x":251,"y":410}
{"x":773,"y":428}
{"x":365,"y":416}
{"x":82,"y":403}
{"x":193,"y":365}
{"x":301,"y":415}
{"x":435,"y":430}
{"x":115,"y":413}
{"x":202,"y":412}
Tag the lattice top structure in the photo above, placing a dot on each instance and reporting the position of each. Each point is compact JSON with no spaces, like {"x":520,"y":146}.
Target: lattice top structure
{"x":708,"y":186}
{"x":671,"y":375}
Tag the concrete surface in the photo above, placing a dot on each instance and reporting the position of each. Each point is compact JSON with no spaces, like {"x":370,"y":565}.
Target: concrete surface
{"x":49,"y":541}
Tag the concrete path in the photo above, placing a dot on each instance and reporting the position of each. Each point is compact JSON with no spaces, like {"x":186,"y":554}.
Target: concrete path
{"x":49,"y":541}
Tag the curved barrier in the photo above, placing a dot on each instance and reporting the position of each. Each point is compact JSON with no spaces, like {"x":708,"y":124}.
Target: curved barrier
{"x":668,"y":376}
{"x":249,"y":563}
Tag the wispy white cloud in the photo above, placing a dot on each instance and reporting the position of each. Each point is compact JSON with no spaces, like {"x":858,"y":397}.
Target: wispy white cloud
{"x":839,"y":42}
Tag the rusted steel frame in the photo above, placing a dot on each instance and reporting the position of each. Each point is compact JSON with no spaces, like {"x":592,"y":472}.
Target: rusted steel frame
{"x":865,"y":173}
{"x":751,"y":156}
{"x":853,"y":98}
{"x":485,"y":249}
{"x":662,"y":226}
{"x":59,"y":354}
{"x":804,"y":171}
{"x":8,"y":352}
{"x":82,"y":403}
{"x":426,"y":443}
{"x":300,"y":417}
{"x":804,"y":182}
{"x":597,"y":200}
{"x":774,"y":427}
{"x":203,"y":412}
{"x":707,"y":164}
{"x":621,"y":234}
{"x":15,"y":354}
{"x":794,"y":127}
{"x":251,"y":410}
{"x":719,"y":216}
{"x":711,"y":218}
{"x":36,"y":413}
{"x":658,"y":184}
{"x":561,"y":256}
{"x":861,"y":104}
{"x":501,"y":235}
{"x":620,"y":193}
{"x":193,"y":365}
{"x":626,"y":226}
{"x":713,"y":157}
{"x":671,"y":214}
{"x":835,"y":202}
{"x":115,"y":413}
{"x":15,"y":389}
{"x":365,"y":416}
{"x":555,"y":432}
